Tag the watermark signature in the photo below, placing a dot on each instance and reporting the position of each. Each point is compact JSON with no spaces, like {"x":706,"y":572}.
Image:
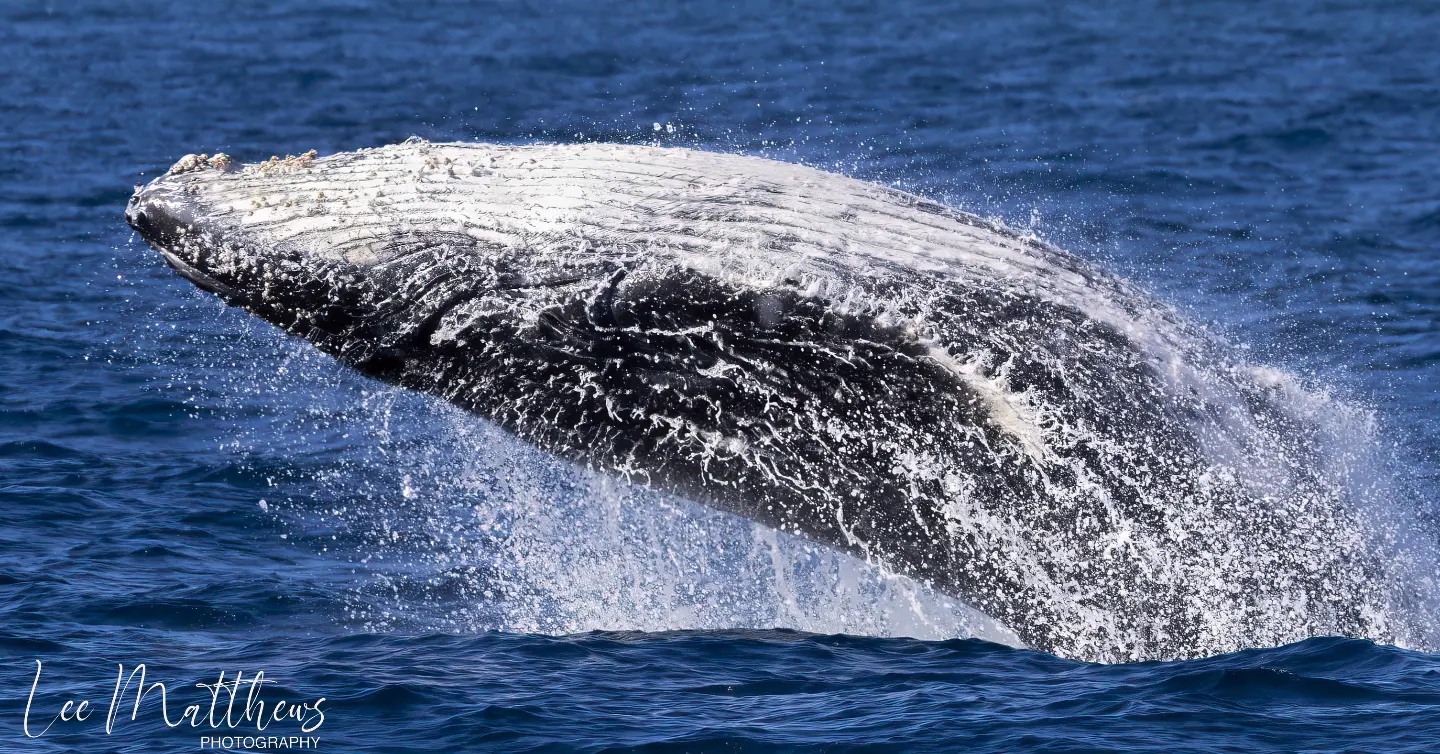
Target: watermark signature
{"x":229,"y":743}
{"x":235,"y":705}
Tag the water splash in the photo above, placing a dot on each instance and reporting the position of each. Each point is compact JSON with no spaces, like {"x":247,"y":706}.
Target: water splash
{"x":444,"y":522}
{"x":490,"y":534}
{"x":456,"y":526}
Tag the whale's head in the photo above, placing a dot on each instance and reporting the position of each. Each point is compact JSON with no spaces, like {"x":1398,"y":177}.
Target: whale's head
{"x":377,"y":253}
{"x":412,"y":261}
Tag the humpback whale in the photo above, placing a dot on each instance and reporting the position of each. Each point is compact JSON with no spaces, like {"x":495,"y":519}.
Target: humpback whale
{"x":929,"y":390}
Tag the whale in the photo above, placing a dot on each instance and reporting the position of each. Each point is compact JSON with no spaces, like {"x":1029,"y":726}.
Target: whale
{"x":934,"y":392}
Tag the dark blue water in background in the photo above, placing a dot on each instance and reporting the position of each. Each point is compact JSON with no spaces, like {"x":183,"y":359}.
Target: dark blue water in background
{"x":1272,"y":171}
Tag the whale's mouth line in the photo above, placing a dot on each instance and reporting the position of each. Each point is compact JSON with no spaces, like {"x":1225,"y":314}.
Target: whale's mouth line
{"x":194,"y":275}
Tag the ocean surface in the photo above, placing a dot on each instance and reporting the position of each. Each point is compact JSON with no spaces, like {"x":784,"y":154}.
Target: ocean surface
{"x":186,"y":488}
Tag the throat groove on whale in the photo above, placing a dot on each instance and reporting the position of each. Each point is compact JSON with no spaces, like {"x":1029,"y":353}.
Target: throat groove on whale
{"x":906,"y":382}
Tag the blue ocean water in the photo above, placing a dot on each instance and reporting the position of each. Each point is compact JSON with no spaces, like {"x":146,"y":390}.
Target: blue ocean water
{"x":185,"y":488}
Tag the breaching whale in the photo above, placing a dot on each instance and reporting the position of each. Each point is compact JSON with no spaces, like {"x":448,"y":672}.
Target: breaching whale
{"x":923,"y":388}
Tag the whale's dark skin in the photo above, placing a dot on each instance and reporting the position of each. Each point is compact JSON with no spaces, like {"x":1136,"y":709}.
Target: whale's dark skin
{"x":902,"y":381}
